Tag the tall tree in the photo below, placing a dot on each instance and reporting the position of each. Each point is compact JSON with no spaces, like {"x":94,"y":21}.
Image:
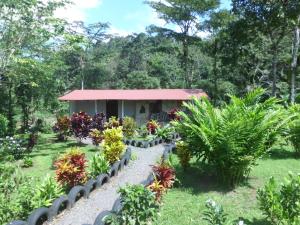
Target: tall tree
{"x":272,"y":19}
{"x":187,"y":15}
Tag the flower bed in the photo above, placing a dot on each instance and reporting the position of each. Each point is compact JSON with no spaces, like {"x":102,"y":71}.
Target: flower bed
{"x":117,"y":207}
{"x":43,"y":214}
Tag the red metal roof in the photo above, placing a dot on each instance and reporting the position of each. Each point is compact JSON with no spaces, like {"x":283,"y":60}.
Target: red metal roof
{"x":141,"y":94}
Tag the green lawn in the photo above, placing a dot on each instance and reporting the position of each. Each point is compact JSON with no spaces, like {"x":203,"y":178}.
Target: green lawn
{"x":46,"y":149}
{"x":185,"y":203}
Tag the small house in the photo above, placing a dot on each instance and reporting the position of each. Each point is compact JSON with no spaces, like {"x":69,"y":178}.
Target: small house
{"x":142,"y":104}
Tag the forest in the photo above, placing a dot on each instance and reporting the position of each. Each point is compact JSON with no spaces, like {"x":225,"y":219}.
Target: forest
{"x":254,"y":44}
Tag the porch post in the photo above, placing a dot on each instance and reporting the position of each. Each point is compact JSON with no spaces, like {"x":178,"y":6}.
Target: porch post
{"x":122,"y":109}
{"x":96,"y":107}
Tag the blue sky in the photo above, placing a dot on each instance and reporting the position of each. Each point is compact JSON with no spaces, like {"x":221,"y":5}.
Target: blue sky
{"x":124,"y":16}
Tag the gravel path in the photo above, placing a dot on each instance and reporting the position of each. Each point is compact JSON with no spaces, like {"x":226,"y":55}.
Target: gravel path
{"x":85,"y":211}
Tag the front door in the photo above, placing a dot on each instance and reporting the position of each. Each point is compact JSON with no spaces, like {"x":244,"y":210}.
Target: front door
{"x":111,"y":108}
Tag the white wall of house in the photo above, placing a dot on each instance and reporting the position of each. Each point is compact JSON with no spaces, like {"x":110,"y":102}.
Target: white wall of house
{"x":130,"y":108}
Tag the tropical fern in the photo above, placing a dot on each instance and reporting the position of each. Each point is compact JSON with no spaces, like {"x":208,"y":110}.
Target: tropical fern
{"x":232,"y":138}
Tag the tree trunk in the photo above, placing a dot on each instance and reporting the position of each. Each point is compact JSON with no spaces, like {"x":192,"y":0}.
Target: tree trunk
{"x":185,"y":63}
{"x":10,"y":113}
{"x":294,"y":64}
{"x":274,"y":69}
{"x":215,"y":80}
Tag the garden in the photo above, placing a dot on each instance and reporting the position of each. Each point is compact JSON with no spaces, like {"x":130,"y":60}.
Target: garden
{"x":47,"y":162}
{"x":237,"y":164}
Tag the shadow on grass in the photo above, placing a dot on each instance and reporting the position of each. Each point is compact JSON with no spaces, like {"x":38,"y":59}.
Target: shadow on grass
{"x":280,"y":153}
{"x":255,"y":221}
{"x":198,"y":180}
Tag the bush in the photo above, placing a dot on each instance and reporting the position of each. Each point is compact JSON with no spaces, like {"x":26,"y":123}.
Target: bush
{"x":281,"y":206}
{"x":62,"y":128}
{"x":232,"y":138}
{"x":215,"y":215}
{"x":80,"y":124}
{"x":27,"y":162}
{"x":184,"y":155}
{"x":173,"y":114}
{"x":165,"y":132}
{"x":3,"y":125}
{"x":96,"y":136}
{"x":129,"y":127}
{"x":152,"y":126}
{"x":46,"y":192}
{"x":113,"y":122}
{"x":98,"y":165}
{"x":157,"y":188}
{"x":294,"y":128}
{"x":138,"y":206}
{"x":98,"y":121}
{"x":70,"y":168}
{"x":113,"y":146}
{"x":11,"y":146}
{"x":164,"y":174}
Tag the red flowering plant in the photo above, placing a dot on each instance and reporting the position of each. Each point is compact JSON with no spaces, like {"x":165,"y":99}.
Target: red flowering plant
{"x":152,"y":126}
{"x":164,"y":174}
{"x":71,"y":168}
{"x":173,"y":114}
{"x":62,"y":127}
{"x":80,"y":124}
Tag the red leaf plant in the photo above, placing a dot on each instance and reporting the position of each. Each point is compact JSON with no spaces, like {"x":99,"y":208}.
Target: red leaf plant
{"x":164,"y":174}
{"x":71,"y":168}
{"x":152,"y":126}
{"x":173,"y":114}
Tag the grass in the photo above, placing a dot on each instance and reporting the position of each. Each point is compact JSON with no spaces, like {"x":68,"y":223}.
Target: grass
{"x":46,"y":149}
{"x":185,"y":203}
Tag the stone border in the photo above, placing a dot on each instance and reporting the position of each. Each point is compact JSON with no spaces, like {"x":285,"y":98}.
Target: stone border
{"x":65,"y":202}
{"x":149,"y":143}
{"x":117,"y":207}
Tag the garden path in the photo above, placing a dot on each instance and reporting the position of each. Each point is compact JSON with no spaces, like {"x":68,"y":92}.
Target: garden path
{"x":85,"y":211}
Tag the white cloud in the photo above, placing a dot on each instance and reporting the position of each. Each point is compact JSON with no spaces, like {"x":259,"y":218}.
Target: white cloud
{"x":76,"y":10}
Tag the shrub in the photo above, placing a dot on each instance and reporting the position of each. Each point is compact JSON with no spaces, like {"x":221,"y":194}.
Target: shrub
{"x":70,"y":168}
{"x":62,"y":127}
{"x":214,"y":214}
{"x":98,"y":121}
{"x":281,"y":206}
{"x":46,"y":192}
{"x":11,"y":146}
{"x":294,"y":128}
{"x":138,"y":206}
{"x":96,"y":136}
{"x":113,"y":122}
{"x":80,"y":124}
{"x":27,"y":162}
{"x":98,"y":165}
{"x":152,"y":126}
{"x":165,"y":132}
{"x":173,"y":114}
{"x":3,"y":125}
{"x":129,"y":127}
{"x":184,"y":155}
{"x":158,"y":189}
{"x":164,"y":174}
{"x":113,"y":146}
{"x":232,"y":138}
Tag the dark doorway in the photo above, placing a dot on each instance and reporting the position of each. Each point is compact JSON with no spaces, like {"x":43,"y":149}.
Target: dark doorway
{"x":155,"y":107}
{"x":111,"y":108}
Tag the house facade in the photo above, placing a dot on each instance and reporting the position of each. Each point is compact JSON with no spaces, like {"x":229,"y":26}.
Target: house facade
{"x":142,"y":105}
